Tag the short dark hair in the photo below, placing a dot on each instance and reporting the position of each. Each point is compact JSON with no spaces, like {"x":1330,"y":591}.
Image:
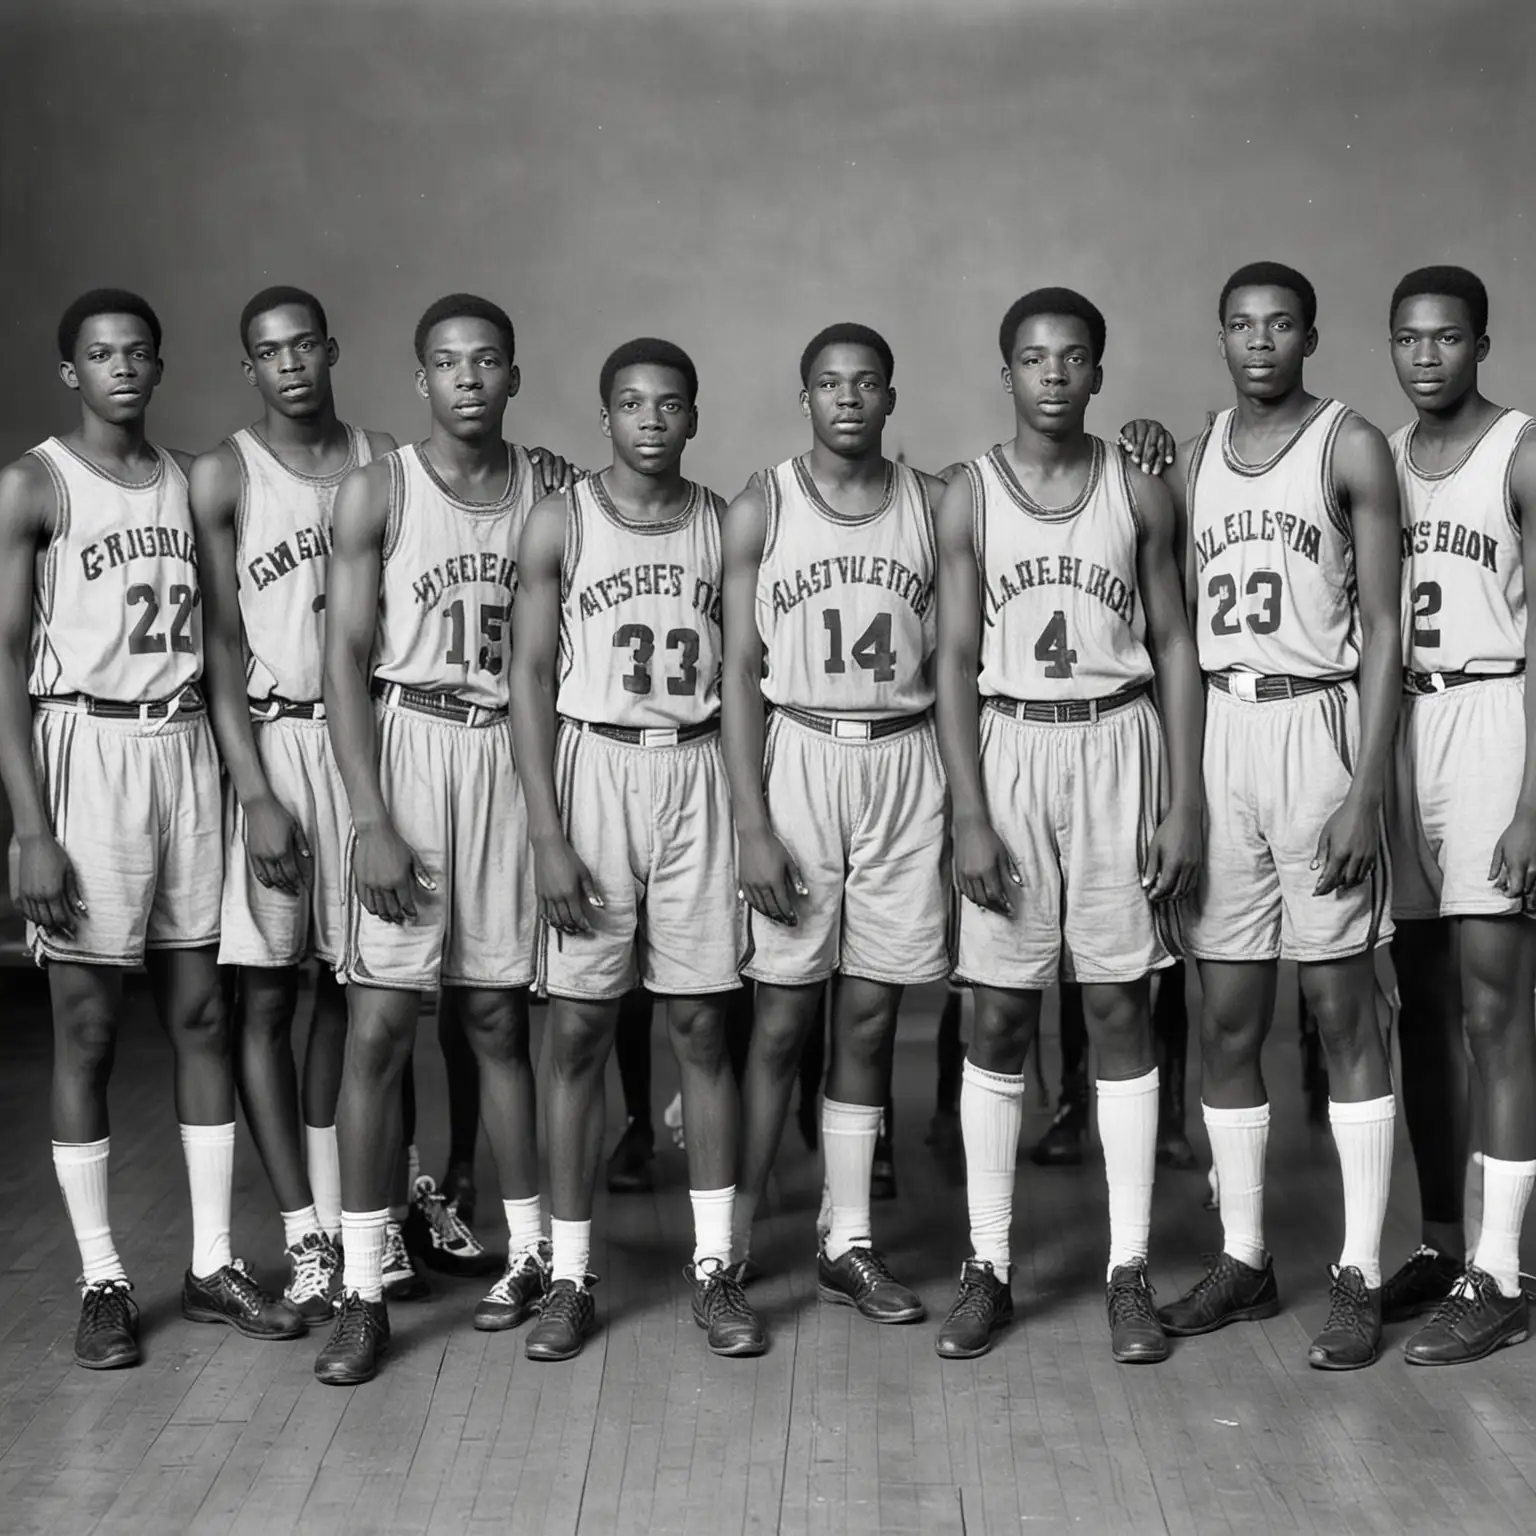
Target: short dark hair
{"x":464,"y":306}
{"x":104,"y":301}
{"x":1449,"y":283}
{"x":275,"y":298}
{"x":648,"y":349}
{"x":1271,"y":274}
{"x":857,"y":335}
{"x":1052,"y":301}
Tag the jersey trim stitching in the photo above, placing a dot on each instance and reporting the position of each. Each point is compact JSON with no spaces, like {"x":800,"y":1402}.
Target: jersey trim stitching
{"x":1253,"y":471}
{"x":1027,"y":503}
{"x":820,"y":505}
{"x":1511,"y":511}
{"x":1331,"y":503}
{"x":1432,"y":476}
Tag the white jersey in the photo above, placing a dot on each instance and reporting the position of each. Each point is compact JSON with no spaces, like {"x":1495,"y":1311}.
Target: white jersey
{"x":1463,"y":602}
{"x":448,"y":580}
{"x":116,"y":608}
{"x":1274,"y":555}
{"x":1060,"y":600}
{"x":282,"y":549}
{"x":640,"y":612}
{"x":845,"y":604}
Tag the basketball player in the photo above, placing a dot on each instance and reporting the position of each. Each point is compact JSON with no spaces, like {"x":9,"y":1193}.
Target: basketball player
{"x":839,"y":801}
{"x":618,"y":628}
{"x":1060,"y":604}
{"x":1292,"y":558}
{"x":423,"y":576}
{"x":1464,"y":813}
{"x":109,"y":767}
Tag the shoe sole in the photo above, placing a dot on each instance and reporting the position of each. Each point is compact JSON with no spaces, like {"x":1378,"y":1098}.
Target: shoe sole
{"x":544,"y":1356}
{"x":501,"y":1324}
{"x":115,"y":1362}
{"x":966,"y":1354}
{"x":350,"y":1378}
{"x":743,"y":1351}
{"x":1342,"y":1365}
{"x":1254,"y":1314}
{"x":208,"y":1315}
{"x":1138,"y":1357}
{"x":839,"y":1299}
{"x":1518,"y":1337}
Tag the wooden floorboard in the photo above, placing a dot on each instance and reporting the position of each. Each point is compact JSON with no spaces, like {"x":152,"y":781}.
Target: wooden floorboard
{"x":841,"y":1427}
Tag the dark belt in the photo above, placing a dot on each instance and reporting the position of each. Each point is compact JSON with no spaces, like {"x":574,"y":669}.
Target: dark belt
{"x":1067,"y":711}
{"x":1253,"y":689}
{"x":274,"y":708}
{"x":646,"y":735}
{"x":843,"y":729}
{"x":188,"y":702}
{"x":1438,"y":682}
{"x":441,"y":706}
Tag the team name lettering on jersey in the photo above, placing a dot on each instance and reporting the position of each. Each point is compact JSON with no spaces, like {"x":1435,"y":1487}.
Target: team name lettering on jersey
{"x":1447,"y":538}
{"x":1262,"y":525}
{"x":656,"y":578}
{"x":273,"y":564}
{"x":822,"y":576}
{"x":118,"y":549}
{"x":481,"y":565}
{"x":1063,"y":571}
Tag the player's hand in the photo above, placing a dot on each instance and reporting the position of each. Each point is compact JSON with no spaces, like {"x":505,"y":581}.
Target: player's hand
{"x":1347,"y":849}
{"x":46,"y":892}
{"x":984,"y":869}
{"x":768,"y":877}
{"x":1173,"y":857}
{"x":276,"y":847}
{"x":554,"y":473}
{"x":1513,"y":870}
{"x":388,"y":873}
{"x":564,"y":886}
{"x":1149,"y":445}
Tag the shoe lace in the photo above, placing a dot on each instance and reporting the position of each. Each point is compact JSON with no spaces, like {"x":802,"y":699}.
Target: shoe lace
{"x":107,"y":1303}
{"x":1216,"y":1269}
{"x":356,"y":1325}
{"x":240,"y":1280}
{"x":1348,"y":1307}
{"x":1465,"y":1296}
{"x":562,"y":1304}
{"x":975,"y":1295}
{"x":443,"y":1218}
{"x":529,"y":1261}
{"x":723,"y":1295}
{"x":1130,"y":1298}
{"x":869,"y":1265}
{"x":313,"y":1266}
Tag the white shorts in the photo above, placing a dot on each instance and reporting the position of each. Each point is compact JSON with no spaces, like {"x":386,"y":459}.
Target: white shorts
{"x":1458,"y":761}
{"x":1274,"y":774}
{"x":454,"y":796}
{"x":263,"y":927}
{"x":135,"y":806}
{"x":653,"y":827}
{"x":1076,"y":805}
{"x":866,"y":824}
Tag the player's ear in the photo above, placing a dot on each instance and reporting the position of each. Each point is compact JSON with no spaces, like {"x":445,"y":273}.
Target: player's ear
{"x":607,"y":424}
{"x":248,"y":368}
{"x":1007,"y":378}
{"x":1483,"y":348}
{"x":805,"y":402}
{"x":514,"y":380}
{"x":421,"y":383}
{"x":159,"y":368}
{"x":693,"y":422}
{"x":332,"y":351}
{"x":890,"y":399}
{"x":1309,"y":346}
{"x":1098,"y":379}
{"x":68,"y":374}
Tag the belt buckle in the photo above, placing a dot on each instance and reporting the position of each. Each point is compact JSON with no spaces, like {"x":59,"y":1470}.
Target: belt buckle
{"x":658,"y":736}
{"x":1244,"y":686}
{"x":850,"y":730}
{"x":1074,"y":712}
{"x":1437,"y":682}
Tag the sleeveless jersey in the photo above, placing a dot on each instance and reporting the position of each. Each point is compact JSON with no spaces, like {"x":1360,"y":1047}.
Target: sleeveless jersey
{"x":116,"y":609}
{"x":1060,"y":601}
{"x":448,"y":579}
{"x":845,"y":604}
{"x":1274,"y":555}
{"x":1463,"y":573}
{"x":282,"y":549}
{"x":640,"y":612}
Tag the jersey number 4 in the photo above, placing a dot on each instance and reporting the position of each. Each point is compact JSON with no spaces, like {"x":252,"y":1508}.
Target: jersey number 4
{"x":1052,"y":648}
{"x":640,"y":641}
{"x":1265,"y":585}
{"x":141,"y":642}
{"x":872,"y":650}
{"x":493,"y":630}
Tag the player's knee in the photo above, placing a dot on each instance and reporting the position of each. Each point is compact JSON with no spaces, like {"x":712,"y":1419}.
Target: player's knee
{"x":85,"y":1036}
{"x":579,"y":1037}
{"x":492,"y":1023}
{"x":698,"y":1030}
{"x":266,"y":1011}
{"x":1491,"y":1015}
{"x":1229,"y":1041}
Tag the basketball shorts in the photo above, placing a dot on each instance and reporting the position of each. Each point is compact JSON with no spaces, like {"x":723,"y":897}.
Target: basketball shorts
{"x":1076,"y":806}
{"x":455,"y":798}
{"x":1274,"y":774}
{"x":653,"y":826}
{"x":135,"y":806}
{"x":865,"y":822}
{"x":264,"y":927}
{"x":1457,"y":765}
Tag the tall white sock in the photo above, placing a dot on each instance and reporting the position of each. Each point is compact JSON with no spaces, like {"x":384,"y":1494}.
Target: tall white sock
{"x":848,"y":1136}
{"x":324,"y":1159}
{"x":1128,"y":1130}
{"x":991,"y":1115}
{"x":525,"y":1225}
{"x":1239,"y":1138}
{"x":743,"y":1208}
{"x":572,"y":1245}
{"x":1506,"y":1193}
{"x":297,"y":1225}
{"x":1363,"y":1134}
{"x":362,"y":1241}
{"x":210,"y":1154}
{"x":82,"y":1170}
{"x":712,"y":1223}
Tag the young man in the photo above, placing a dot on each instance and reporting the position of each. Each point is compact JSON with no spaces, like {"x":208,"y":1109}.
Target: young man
{"x":1292,"y":559}
{"x":423,"y":576}
{"x":1464,"y":814}
{"x":839,"y":801}
{"x":1060,"y":604}
{"x":109,"y":768}
{"x":618,"y":629}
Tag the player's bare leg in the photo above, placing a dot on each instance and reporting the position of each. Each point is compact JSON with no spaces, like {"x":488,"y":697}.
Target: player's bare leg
{"x":320,"y":1089}
{"x":629,"y":1166}
{"x":464,"y":1099}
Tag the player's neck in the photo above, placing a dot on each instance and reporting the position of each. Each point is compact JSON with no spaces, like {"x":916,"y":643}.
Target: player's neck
{"x":1461,"y":424}
{"x":1054,"y":453}
{"x":315,"y":435}
{"x":836,"y":472}
{"x":122,"y":443}
{"x":1268,"y":417}
{"x":474,"y":462}
{"x":645,"y":498}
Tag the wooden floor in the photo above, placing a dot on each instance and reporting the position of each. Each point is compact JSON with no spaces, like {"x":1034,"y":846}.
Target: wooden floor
{"x":841,"y":1427}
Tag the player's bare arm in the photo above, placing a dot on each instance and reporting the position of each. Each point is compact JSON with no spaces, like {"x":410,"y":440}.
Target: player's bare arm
{"x":562,"y":882}
{"x":1173,"y":857}
{"x":983,"y":866}
{"x":1513,"y":870}
{"x":1366,"y":483}
{"x":764,"y":870}
{"x":383,"y":865}
{"x":46,"y":892}
{"x":1175,"y":479}
{"x":273,"y":841}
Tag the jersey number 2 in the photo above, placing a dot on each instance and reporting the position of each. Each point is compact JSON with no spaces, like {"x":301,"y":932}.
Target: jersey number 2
{"x":1265,"y":585}
{"x":141,"y":642}
{"x":640,"y":641}
{"x":1427,"y":599}
{"x":872,"y":650}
